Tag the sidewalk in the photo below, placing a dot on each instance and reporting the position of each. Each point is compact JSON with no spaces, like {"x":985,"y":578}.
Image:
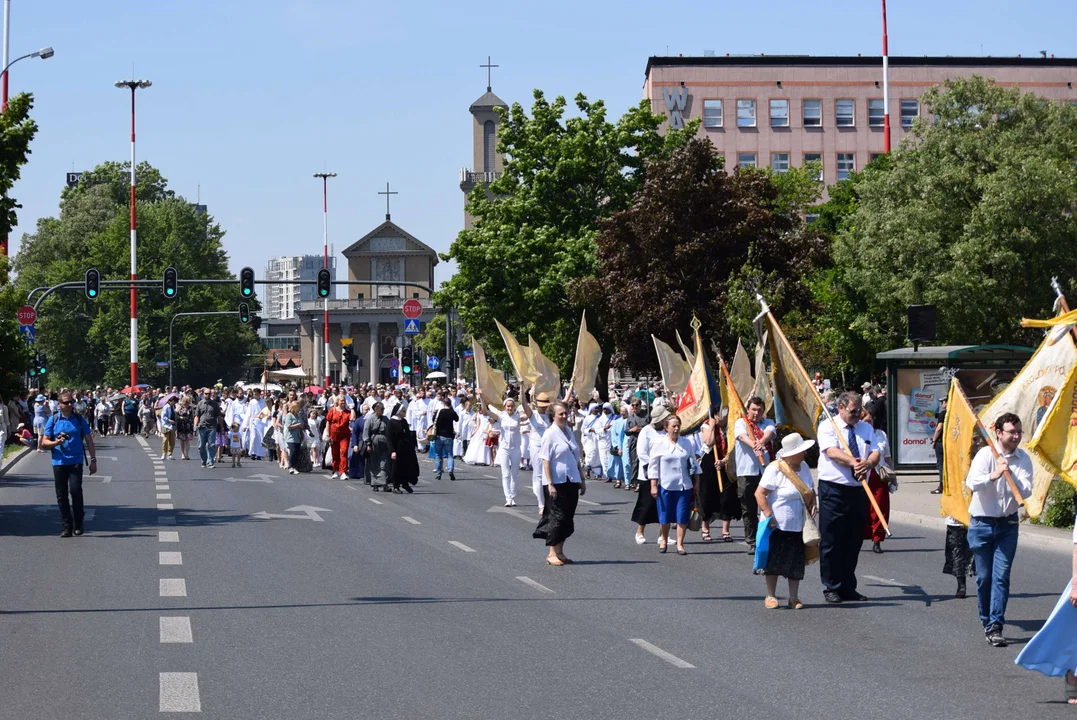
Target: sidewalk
{"x":13,"y":458}
{"x":914,"y":503}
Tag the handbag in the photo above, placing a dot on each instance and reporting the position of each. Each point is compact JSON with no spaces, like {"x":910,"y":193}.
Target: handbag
{"x":432,"y":431}
{"x":695,"y":520}
{"x":888,"y":476}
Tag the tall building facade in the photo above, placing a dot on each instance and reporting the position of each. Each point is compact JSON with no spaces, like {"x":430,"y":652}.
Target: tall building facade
{"x":282,"y":301}
{"x":486,"y":160}
{"x":782,"y":111}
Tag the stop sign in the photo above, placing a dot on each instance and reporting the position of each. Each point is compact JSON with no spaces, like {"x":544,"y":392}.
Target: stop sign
{"x":27,"y":315}
{"x":412,"y":309}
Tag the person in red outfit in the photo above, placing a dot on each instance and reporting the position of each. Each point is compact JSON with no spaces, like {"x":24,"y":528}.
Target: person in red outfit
{"x":338,"y":420}
{"x":873,"y":529}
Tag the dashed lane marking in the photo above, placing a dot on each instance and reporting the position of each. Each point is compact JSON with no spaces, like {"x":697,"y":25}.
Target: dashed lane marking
{"x":537,"y":585}
{"x":884,"y":581}
{"x":659,"y":652}
{"x":461,"y":545}
{"x":167,"y":536}
{"x":173,"y":587}
{"x":588,"y":502}
{"x":169,"y":558}
{"x":375,"y":501}
{"x":164,"y":496}
{"x":106,"y":478}
{"x":179,"y":692}
{"x":176,"y":630}
{"x":166,"y":519}
{"x":165,"y":506}
{"x":411,"y":520}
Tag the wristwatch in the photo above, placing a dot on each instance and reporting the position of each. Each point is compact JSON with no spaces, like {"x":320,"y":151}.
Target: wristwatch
{"x":93,"y":459}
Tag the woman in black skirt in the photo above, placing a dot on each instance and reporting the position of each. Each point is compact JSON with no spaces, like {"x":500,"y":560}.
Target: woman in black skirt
{"x":716,"y":502}
{"x":563,"y":485}
{"x":782,"y":505}
{"x":646,"y":511}
{"x":958,"y":557}
{"x":403,"y":462}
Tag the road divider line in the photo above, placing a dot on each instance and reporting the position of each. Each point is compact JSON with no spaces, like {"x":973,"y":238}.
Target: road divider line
{"x":884,"y":581}
{"x":167,"y":536}
{"x":351,"y":487}
{"x":588,"y":502}
{"x":179,"y":692}
{"x":375,"y":501}
{"x":173,"y":587}
{"x":659,"y":652}
{"x":169,"y":558}
{"x":537,"y":585}
{"x":142,"y":441}
{"x":461,"y":545}
{"x":411,"y":520}
{"x":164,"y":496}
{"x":106,"y":478}
{"x":165,"y":506}
{"x":166,"y":519}
{"x":162,"y":488}
{"x":176,"y":630}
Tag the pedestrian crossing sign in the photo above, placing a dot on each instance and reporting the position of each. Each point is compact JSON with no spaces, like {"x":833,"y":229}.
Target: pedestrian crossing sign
{"x":411,"y":327}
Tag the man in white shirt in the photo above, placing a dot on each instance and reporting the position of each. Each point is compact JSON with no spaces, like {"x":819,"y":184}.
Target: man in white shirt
{"x":417,"y":417}
{"x":843,"y":504}
{"x":754,"y":435}
{"x":994,"y":520}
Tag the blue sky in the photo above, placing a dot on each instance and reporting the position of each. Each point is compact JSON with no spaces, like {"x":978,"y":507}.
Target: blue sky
{"x":250,"y":98}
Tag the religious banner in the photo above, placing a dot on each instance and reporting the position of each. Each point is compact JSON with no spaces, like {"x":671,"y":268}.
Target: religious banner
{"x":701,"y":395}
{"x":732,"y":401}
{"x":1054,"y":445}
{"x":489,"y":381}
{"x":519,"y":355}
{"x":958,"y":440}
{"x":675,"y":371}
{"x":548,"y":375}
{"x":585,"y":368}
{"x":762,"y":381}
{"x":796,"y":404}
{"x":741,"y":372}
{"x":685,"y":349}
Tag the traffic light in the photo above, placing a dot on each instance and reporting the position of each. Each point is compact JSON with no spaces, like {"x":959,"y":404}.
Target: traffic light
{"x":246,"y":282}
{"x":405,"y":361}
{"x":171,"y":283}
{"x":244,"y":314}
{"x":41,"y":366}
{"x":93,"y":283}
{"x":256,"y":321}
{"x":325,"y":281}
{"x":346,"y":351}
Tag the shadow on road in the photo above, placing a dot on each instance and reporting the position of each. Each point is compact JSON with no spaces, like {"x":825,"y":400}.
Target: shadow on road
{"x":108,"y":520}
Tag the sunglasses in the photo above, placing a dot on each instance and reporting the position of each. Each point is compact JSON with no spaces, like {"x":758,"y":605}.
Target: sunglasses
{"x":67,"y":402}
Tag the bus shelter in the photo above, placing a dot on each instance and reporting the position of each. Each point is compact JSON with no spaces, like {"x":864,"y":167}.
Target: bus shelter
{"x":917,"y":379}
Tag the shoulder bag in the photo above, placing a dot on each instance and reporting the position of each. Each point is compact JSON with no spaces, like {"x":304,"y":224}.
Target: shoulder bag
{"x":811,"y":529}
{"x":432,"y":431}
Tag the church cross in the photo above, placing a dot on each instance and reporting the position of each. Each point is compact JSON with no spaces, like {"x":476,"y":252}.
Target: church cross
{"x":488,"y":67}
{"x":387,"y":193}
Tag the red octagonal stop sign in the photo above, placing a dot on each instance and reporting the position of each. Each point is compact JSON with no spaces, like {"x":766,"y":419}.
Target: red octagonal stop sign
{"x":27,"y":315}
{"x":412,"y":309}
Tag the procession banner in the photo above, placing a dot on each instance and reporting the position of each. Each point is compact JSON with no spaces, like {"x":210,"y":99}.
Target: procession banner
{"x":519,"y":355}
{"x":1055,"y":443}
{"x":490,"y":382}
{"x":762,"y":381}
{"x":585,"y":367}
{"x":958,"y":438}
{"x":740,"y":373}
{"x":733,"y":402}
{"x":1029,"y":396}
{"x":796,"y":402}
{"x":701,"y":395}
{"x":688,"y":354}
{"x":548,"y":375}
{"x":675,"y":371}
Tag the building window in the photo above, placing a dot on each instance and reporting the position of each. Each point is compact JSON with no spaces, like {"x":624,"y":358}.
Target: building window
{"x":876,"y":113}
{"x":815,"y":158}
{"x":745,"y":113}
{"x":873,"y":156}
{"x":846,"y":165}
{"x":813,"y":113}
{"x":810,"y":218}
{"x":910,"y":110}
{"x":712,"y":113}
{"x":745,"y":160}
{"x":489,"y":145}
{"x":844,"y":112}
{"x":779,"y":162}
{"x":779,"y":113}
{"x":415,"y":295}
{"x":360,"y":296}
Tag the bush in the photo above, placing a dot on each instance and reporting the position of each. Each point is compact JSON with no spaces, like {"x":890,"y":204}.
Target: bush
{"x":1059,"y":509}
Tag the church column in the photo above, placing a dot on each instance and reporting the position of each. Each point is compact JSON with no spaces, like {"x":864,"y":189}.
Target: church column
{"x":373,"y":351}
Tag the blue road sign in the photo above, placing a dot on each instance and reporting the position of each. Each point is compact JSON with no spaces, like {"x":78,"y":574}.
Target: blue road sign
{"x":468,"y":354}
{"x":393,"y":372}
{"x":27,"y":332}
{"x":432,"y":362}
{"x":162,"y":363}
{"x":411,"y":327}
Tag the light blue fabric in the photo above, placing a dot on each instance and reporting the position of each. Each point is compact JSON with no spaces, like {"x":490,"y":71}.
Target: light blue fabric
{"x":762,"y":544}
{"x":1053,"y":651}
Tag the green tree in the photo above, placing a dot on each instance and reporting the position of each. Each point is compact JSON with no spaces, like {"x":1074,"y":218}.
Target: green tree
{"x":973,"y":214}
{"x":535,"y":233}
{"x":699,"y":241}
{"x":88,"y":341}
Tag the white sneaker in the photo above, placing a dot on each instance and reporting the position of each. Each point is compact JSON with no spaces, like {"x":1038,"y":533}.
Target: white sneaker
{"x":333,"y":476}
{"x":640,"y":540}
{"x":162,"y":457}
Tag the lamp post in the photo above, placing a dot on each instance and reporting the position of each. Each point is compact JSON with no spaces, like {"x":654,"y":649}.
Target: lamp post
{"x":133,"y":85}
{"x":325,"y":255}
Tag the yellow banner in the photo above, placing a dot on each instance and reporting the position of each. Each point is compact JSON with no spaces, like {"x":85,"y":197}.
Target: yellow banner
{"x":732,"y":401}
{"x":519,"y":355}
{"x":1055,"y":442}
{"x":1069,"y":318}
{"x":488,"y":380}
{"x":548,"y":375}
{"x":958,"y":435}
{"x":799,"y":405}
{"x":741,"y":372}
{"x":675,"y":371}
{"x":694,"y":406}
{"x":585,"y":368}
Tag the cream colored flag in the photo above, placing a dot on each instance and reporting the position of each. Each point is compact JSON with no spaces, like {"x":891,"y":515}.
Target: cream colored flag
{"x":585,"y":368}
{"x":488,"y":380}
{"x":675,"y":371}
{"x":688,"y":354}
{"x":741,"y":373}
{"x":520,"y":356}
{"x":762,"y":381}
{"x":548,"y":378}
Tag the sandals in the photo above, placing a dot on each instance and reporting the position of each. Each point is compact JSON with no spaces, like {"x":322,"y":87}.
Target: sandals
{"x":795,"y":604}
{"x":565,"y":561}
{"x":726,"y":537}
{"x":706,"y":537}
{"x":556,"y":562}
{"x":1071,"y":691}
{"x":770,"y":603}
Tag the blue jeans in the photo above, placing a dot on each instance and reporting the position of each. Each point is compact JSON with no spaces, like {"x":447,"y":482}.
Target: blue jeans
{"x":207,"y":444}
{"x":442,"y":450}
{"x":993,"y":542}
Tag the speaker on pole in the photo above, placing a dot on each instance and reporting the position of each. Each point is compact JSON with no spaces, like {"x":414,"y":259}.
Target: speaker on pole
{"x":921,"y":324}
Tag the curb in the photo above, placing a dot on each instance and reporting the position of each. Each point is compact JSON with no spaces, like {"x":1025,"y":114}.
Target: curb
{"x":14,"y":459}
{"x":1061,"y":542}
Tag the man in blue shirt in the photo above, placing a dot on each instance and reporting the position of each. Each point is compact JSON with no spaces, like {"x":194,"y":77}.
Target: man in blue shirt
{"x":65,"y":433}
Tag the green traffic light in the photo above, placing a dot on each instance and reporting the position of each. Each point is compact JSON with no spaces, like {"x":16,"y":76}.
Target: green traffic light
{"x":169,"y":291}
{"x":246,"y":291}
{"x":407,"y":370}
{"x":43,"y":371}
{"x":93,"y":293}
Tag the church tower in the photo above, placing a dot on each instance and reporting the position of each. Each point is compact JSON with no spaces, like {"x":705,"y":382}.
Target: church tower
{"x":486,"y":160}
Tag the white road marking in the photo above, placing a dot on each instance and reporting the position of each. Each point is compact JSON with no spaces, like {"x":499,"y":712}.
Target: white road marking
{"x":88,"y":514}
{"x":411,"y":520}
{"x":512,"y":511}
{"x":106,"y":478}
{"x":142,"y":441}
{"x":179,"y":692}
{"x":162,"y":488}
{"x":176,"y":630}
{"x":461,"y":545}
{"x":108,"y":457}
{"x":375,"y":501}
{"x":492,"y":477}
{"x":659,"y":652}
{"x":165,"y":506}
{"x":169,"y":558}
{"x":164,"y":496}
{"x":537,"y":585}
{"x":309,"y":513}
{"x":173,"y":587}
{"x":160,"y":472}
{"x":167,"y":536}
{"x":166,"y":519}
{"x":588,"y":502}
{"x":884,"y":581}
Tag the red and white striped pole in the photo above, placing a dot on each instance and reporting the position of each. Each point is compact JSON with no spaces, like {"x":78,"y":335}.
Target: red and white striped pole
{"x":325,"y":259}
{"x":133,"y":85}
{"x":886,"y":87}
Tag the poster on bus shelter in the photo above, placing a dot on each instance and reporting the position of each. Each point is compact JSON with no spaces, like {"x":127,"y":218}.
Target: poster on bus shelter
{"x":919,"y":393}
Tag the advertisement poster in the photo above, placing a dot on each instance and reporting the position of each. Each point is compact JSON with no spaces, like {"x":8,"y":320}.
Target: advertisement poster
{"x":919,"y":392}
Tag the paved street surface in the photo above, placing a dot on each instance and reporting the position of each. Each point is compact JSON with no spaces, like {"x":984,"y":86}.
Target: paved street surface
{"x":251,"y":594}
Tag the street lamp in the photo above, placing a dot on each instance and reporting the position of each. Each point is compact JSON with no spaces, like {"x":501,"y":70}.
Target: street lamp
{"x":133,"y":85}
{"x":325,"y":250}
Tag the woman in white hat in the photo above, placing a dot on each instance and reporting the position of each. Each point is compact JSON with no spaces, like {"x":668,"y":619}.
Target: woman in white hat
{"x":784,"y":491}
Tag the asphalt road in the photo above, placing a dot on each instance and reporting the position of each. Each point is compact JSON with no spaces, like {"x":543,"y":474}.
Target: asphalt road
{"x":182,"y":597}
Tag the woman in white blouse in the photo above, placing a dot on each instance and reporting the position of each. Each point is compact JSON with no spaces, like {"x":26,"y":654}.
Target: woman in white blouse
{"x":560,"y":454}
{"x":508,"y":445}
{"x":674,"y":473}
{"x":782,"y":505}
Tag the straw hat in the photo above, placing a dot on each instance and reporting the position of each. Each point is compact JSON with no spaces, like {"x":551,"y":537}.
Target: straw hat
{"x":543,"y":400}
{"x":794,"y":444}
